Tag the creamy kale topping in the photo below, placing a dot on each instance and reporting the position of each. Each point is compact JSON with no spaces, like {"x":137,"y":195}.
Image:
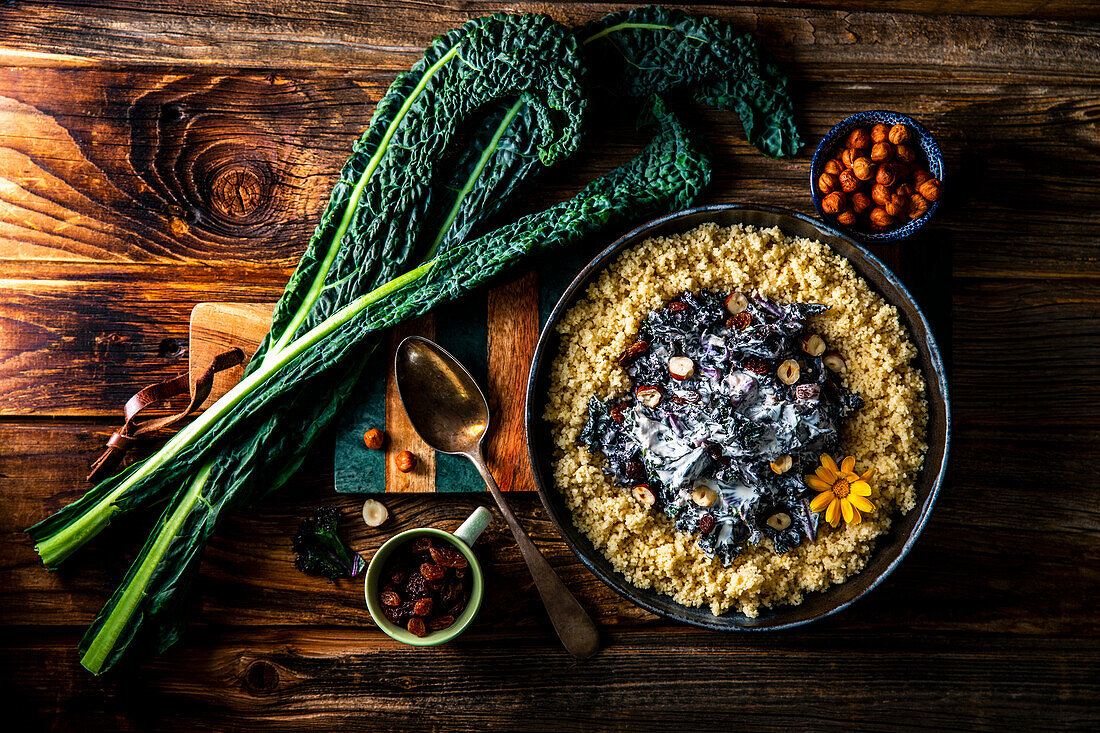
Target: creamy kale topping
{"x":734,"y":400}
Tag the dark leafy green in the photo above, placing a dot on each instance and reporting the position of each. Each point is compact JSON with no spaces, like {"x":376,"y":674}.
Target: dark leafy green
{"x":320,"y":549}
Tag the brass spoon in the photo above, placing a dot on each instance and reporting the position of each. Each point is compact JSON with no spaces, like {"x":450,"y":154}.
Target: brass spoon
{"x":451,"y":414}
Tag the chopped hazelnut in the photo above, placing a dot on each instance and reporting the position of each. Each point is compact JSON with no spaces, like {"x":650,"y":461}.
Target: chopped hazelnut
{"x":782,"y":464}
{"x":906,"y":154}
{"x":788,"y":372}
{"x":405,"y":461}
{"x":899,"y":134}
{"x":834,"y":203}
{"x":859,"y":138}
{"x":860,"y":202}
{"x":704,"y":496}
{"x":827,"y":182}
{"x":813,"y":344}
{"x":847,"y":218}
{"x":930,"y":189}
{"x":880,"y":133}
{"x":374,"y":439}
{"x":882,"y":152}
{"x":736,"y":302}
{"x":643,"y":494}
{"x":833,"y":361}
{"x":880,"y":194}
{"x":779,"y":521}
{"x":833,"y":167}
{"x":848,"y":181}
{"x":863,"y":168}
{"x":648,"y":396}
{"x":681,"y":367}
{"x":880,"y":217}
{"x":918,"y":206}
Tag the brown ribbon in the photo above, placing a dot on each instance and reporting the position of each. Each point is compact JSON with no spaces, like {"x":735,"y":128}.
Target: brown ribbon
{"x":199,"y":387}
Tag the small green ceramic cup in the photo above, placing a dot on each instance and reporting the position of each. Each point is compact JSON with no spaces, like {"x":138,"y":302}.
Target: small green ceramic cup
{"x":462,"y":540}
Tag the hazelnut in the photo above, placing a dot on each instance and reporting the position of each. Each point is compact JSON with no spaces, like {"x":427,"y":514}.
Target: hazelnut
{"x":880,"y":217}
{"x":930,"y":189}
{"x":897,"y":206}
{"x":681,"y":367}
{"x":886,"y":175}
{"x":736,"y":302}
{"x":904,"y":189}
{"x":847,"y":218}
{"x":880,"y":194}
{"x":643,"y":494}
{"x":833,"y":361}
{"x":834,"y":203}
{"x":918,"y":206}
{"x":882,"y":152}
{"x":404,"y":461}
{"x":859,"y":138}
{"x":880,"y":133}
{"x":833,"y":167}
{"x":374,"y":439}
{"x":848,"y":181}
{"x":906,"y":154}
{"x":827,"y":182}
{"x":813,"y":344}
{"x":648,"y":396}
{"x":704,"y":496}
{"x":788,"y":372}
{"x":899,"y":134}
{"x":863,"y":168}
{"x":374,"y":513}
{"x":782,"y":464}
{"x":920,"y":176}
{"x":779,"y":521}
{"x":860,"y":202}
{"x":848,"y":157}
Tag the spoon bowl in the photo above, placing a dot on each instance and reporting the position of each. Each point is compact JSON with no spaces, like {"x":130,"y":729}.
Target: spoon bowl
{"x":443,"y":401}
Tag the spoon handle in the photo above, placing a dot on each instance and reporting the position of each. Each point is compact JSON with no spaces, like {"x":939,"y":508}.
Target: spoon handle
{"x":572,"y":623}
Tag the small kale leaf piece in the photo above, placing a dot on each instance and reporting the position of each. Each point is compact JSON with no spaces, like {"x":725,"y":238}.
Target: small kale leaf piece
{"x":320,"y":549}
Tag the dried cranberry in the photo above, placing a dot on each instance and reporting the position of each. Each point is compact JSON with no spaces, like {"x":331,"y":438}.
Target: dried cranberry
{"x":441,"y":622}
{"x":707,"y":523}
{"x":449,"y":557}
{"x":740,"y":321}
{"x":432,"y":572}
{"x":677,"y":307}
{"x":416,"y":626}
{"x":422,"y":607}
{"x":389,"y":598}
{"x":634,"y":470}
{"x":633,"y":352}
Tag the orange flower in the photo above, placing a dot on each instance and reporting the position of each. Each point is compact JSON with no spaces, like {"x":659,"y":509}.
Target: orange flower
{"x":843,"y":492}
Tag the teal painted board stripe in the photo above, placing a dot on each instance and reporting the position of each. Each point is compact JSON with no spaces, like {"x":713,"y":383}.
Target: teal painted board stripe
{"x":359,"y":470}
{"x":463,"y":330}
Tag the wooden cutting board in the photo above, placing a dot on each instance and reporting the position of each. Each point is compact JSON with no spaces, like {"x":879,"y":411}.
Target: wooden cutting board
{"x":492,"y":332}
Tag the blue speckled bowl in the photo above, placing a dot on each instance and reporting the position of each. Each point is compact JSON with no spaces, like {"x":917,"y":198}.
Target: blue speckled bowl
{"x":832,"y":142}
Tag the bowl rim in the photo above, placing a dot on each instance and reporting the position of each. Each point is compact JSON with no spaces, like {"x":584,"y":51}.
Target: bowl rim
{"x":533,"y":414}
{"x":929,"y":147}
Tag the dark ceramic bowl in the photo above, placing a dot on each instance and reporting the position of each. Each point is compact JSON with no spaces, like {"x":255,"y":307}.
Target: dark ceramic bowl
{"x":832,"y":142}
{"x":891,"y":548}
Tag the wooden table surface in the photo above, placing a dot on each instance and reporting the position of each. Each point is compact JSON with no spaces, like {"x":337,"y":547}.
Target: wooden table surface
{"x":150,"y":160}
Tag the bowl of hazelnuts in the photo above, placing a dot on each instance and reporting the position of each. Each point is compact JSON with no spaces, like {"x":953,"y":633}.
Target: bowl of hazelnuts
{"x":878,"y":176}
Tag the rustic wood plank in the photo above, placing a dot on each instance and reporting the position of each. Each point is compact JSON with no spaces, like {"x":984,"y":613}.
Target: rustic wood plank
{"x":400,"y":434}
{"x":353,"y":679}
{"x":513,"y":335}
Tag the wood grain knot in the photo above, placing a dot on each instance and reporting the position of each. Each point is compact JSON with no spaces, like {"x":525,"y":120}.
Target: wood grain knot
{"x":236,"y":193}
{"x":235,"y":187}
{"x":261,"y":676}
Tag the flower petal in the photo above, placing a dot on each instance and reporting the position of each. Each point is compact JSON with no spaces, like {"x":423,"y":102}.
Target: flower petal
{"x":848,"y":464}
{"x":867,"y":474}
{"x":860,"y":488}
{"x":817,"y":484}
{"x":826,"y":475}
{"x":832,"y":514}
{"x":821,"y":501}
{"x":828,"y":462}
{"x":860,"y":502}
{"x":846,"y":509}
{"x":856,"y":516}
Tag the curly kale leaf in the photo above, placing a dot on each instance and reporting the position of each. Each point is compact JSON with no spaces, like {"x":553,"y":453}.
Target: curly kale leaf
{"x":320,"y":549}
{"x":641,"y":51}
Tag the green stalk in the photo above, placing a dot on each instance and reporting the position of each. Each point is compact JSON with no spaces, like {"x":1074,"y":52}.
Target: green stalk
{"x":624,"y":26}
{"x":353,"y":203}
{"x":104,"y":642}
{"x":59,"y":546}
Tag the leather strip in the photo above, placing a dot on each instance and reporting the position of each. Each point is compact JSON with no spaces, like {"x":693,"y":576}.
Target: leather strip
{"x":198,"y":385}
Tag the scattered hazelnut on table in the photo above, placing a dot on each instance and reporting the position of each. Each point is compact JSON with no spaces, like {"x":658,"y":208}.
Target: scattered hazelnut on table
{"x":404,"y":461}
{"x":374,"y":513}
{"x":374,"y":439}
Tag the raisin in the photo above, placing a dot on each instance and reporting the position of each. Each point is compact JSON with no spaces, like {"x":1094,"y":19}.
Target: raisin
{"x":634,"y":470}
{"x":707,"y":523}
{"x":435,"y":585}
{"x":397,"y":614}
{"x":432,"y":572}
{"x":452,"y":593}
{"x":421,"y":545}
{"x":740,"y":321}
{"x":456,"y":608}
{"x":416,"y":588}
{"x":677,"y":307}
{"x":398,"y":577}
{"x":416,"y":626}
{"x":677,"y":400}
{"x":441,"y":622}
{"x":617,"y":413}
{"x":758,"y":365}
{"x":633,"y":352}
{"x":460,"y":573}
{"x":389,"y":598}
{"x":449,"y":557}
{"x":423,"y":607}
